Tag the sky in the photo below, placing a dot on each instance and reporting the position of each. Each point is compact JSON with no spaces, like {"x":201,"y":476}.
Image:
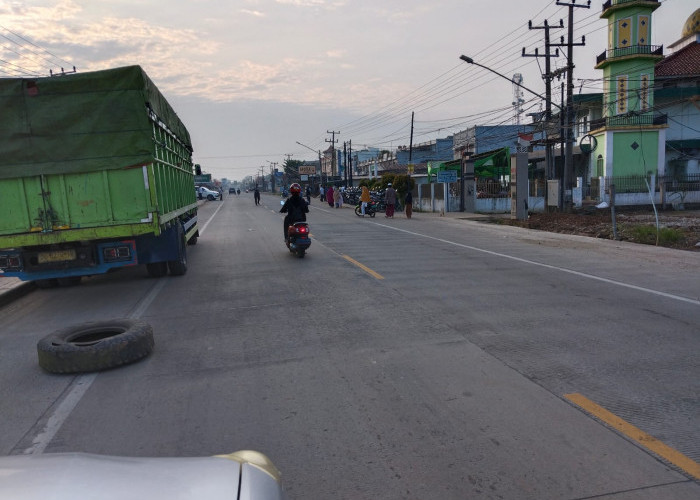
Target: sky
{"x":251,"y":79}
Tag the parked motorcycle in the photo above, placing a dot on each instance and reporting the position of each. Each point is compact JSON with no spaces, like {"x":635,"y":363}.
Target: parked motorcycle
{"x":298,"y":238}
{"x":370,"y":209}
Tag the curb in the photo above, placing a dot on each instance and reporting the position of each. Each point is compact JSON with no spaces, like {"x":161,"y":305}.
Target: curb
{"x":16,"y":292}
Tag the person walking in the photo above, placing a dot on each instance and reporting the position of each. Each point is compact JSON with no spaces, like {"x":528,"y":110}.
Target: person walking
{"x":365,"y":198}
{"x":337,"y":197}
{"x":308,"y":195}
{"x":329,"y":196}
{"x":408,"y":202}
{"x":390,"y":200}
{"x":256,"y":196}
{"x":322,"y":193}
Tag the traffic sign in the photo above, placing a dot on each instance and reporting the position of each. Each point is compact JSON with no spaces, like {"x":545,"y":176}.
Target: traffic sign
{"x":447,"y":176}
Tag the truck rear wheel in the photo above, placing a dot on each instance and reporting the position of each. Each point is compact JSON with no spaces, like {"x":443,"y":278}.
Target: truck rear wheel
{"x":95,"y":346}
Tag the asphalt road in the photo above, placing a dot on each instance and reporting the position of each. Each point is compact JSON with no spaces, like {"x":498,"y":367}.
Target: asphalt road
{"x":430,"y":358}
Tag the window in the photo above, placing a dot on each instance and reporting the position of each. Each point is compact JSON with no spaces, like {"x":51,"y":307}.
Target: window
{"x":643,"y":30}
{"x":644,"y":92}
{"x":621,"y":94}
{"x":624,"y":32}
{"x":600,"y":166}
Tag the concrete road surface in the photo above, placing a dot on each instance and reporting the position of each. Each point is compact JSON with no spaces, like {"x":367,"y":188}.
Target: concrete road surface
{"x":431,"y":358}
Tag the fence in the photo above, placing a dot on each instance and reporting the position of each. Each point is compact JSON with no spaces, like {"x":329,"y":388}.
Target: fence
{"x":495,"y":195}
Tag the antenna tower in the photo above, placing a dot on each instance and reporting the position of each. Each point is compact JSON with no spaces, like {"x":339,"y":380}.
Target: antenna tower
{"x":518,"y":100}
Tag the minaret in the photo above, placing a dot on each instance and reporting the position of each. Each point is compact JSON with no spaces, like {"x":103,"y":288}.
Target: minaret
{"x":630,"y":138}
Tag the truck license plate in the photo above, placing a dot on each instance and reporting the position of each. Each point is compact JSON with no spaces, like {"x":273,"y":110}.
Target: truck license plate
{"x":56,"y":256}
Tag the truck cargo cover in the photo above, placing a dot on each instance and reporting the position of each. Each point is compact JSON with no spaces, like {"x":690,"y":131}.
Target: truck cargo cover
{"x":81,"y":122}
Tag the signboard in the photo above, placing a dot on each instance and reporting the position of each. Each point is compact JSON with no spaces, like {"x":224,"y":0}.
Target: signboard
{"x":307,"y":169}
{"x":447,"y":176}
{"x":304,"y":178}
{"x":202,"y":178}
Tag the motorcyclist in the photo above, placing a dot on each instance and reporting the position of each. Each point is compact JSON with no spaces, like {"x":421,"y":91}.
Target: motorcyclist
{"x":295,"y":207}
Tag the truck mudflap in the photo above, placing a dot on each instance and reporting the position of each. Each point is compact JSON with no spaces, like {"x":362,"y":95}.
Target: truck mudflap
{"x":72,"y":260}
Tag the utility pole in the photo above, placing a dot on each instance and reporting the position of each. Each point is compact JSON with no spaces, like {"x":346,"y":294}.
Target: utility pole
{"x":549,"y":146}
{"x":345,"y":162}
{"x":350,"y":161}
{"x":569,"y":116}
{"x":333,"y":140}
{"x":410,"y":147}
{"x":273,"y":164}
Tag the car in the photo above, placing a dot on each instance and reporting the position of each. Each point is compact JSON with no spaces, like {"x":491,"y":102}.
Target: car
{"x":205,"y":192}
{"x":231,"y":190}
{"x":242,"y":475}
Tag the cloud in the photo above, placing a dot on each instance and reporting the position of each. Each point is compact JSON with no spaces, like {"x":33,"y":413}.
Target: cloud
{"x":254,"y":13}
{"x":312,"y":3}
{"x":335,"y":54}
{"x":182,"y":62}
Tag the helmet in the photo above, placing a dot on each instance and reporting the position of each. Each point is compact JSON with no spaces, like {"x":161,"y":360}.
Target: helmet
{"x":295,"y":188}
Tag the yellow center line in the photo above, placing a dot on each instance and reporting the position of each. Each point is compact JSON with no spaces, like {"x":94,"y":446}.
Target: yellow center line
{"x":363,"y":267}
{"x":649,"y":442}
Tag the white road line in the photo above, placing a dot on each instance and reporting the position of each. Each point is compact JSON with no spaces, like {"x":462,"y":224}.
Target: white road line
{"x":549,"y":266}
{"x":75,"y":393}
{"x":82,"y":383}
{"x":204,"y":227}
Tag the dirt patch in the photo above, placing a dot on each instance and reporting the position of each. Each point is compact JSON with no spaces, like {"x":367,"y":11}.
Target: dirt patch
{"x":680,"y":230}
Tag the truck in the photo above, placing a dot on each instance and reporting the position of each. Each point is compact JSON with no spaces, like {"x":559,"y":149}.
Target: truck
{"x":96,"y":174}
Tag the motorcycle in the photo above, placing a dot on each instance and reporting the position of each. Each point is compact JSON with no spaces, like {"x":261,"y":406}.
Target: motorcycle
{"x":298,"y":238}
{"x":370,"y":209}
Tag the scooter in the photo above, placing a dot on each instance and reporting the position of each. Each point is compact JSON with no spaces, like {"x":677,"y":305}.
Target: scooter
{"x":298,"y":238}
{"x":370,"y":209}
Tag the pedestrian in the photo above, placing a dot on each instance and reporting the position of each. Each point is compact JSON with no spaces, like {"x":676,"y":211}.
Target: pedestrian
{"x":308,"y":195}
{"x":337,"y":197}
{"x":322,"y":193}
{"x":329,"y":196}
{"x":390,"y":200}
{"x":408,"y":202}
{"x":365,"y":198}
{"x":256,"y":196}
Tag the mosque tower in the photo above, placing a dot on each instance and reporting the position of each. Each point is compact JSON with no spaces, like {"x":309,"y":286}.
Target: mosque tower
{"x":630,"y":138}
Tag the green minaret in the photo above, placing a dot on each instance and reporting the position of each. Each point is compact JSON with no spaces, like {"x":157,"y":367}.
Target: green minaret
{"x":630,"y":139}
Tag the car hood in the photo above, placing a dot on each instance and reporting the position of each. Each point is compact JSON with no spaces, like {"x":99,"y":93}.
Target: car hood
{"x":74,"y":476}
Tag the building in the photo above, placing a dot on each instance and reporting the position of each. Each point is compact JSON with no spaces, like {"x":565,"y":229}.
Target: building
{"x":630,"y":137}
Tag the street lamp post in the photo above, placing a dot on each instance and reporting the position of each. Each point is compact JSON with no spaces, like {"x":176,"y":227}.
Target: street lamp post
{"x":569,"y":145}
{"x":472,"y":61}
{"x":320,"y":167}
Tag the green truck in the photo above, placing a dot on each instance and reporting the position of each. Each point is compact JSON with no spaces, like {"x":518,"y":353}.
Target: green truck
{"x":96,"y":174}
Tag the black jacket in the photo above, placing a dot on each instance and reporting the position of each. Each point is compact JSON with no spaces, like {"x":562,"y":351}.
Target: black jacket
{"x":296,"y":209}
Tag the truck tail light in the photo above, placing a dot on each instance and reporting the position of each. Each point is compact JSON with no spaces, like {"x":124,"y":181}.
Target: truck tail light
{"x":116,"y":253}
{"x":10,"y":262}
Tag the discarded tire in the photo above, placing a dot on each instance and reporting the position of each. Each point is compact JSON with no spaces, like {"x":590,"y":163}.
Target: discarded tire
{"x":95,"y":346}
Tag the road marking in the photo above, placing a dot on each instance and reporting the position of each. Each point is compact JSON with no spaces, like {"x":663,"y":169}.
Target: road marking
{"x":78,"y":388}
{"x":82,"y":383}
{"x":673,"y":456}
{"x":201,"y":231}
{"x":549,"y":266}
{"x":363,"y":267}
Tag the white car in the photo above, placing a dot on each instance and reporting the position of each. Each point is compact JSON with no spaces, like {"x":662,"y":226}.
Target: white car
{"x":242,"y":475}
{"x":205,"y":192}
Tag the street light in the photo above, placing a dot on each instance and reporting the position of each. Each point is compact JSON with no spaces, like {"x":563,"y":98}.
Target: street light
{"x":569,"y":144}
{"x":472,"y":61}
